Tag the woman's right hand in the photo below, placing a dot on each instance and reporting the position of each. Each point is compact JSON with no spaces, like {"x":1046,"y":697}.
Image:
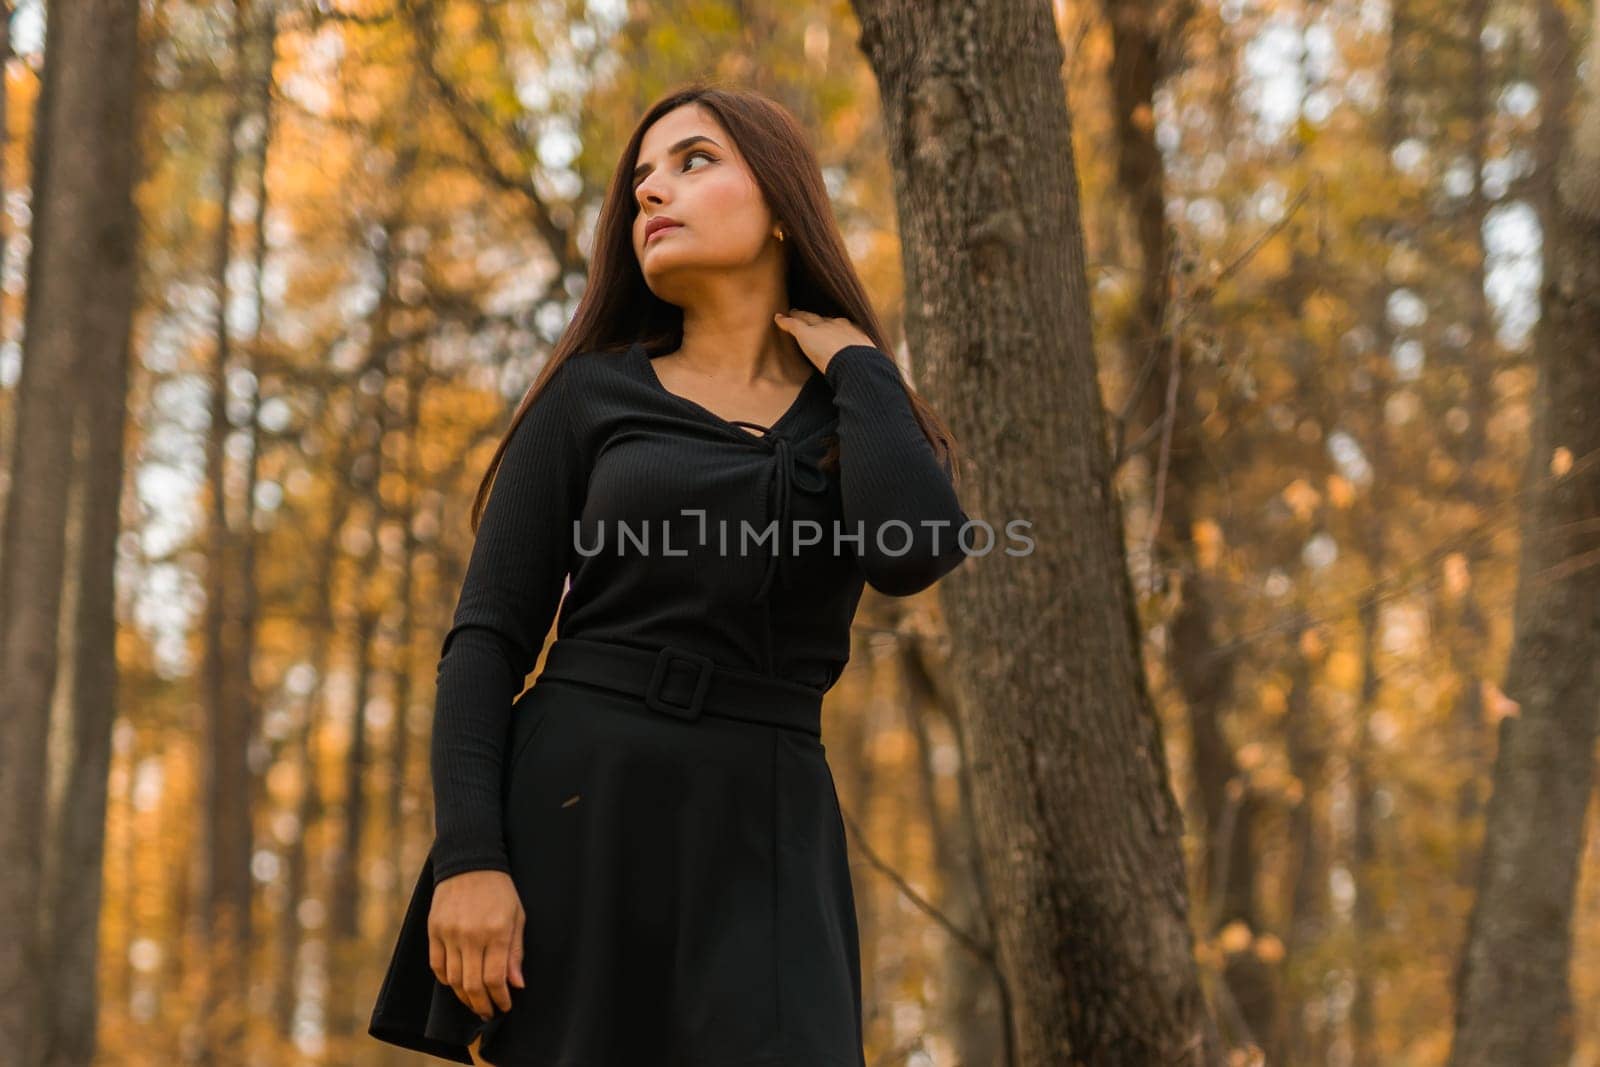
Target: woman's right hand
{"x":475,"y":938}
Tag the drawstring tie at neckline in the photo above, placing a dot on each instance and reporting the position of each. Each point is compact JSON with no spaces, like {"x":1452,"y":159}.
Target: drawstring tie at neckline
{"x":791,"y":469}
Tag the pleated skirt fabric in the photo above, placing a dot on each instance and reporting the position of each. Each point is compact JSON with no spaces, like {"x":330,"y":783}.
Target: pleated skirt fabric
{"x":687,"y":893}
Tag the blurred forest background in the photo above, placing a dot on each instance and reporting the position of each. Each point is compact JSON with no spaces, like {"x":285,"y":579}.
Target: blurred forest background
{"x":362,"y":223}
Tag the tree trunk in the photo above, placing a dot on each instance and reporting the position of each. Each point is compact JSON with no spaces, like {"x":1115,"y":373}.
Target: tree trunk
{"x":1468,"y":624}
{"x":7,"y":54}
{"x":974,"y":999}
{"x":1201,"y":666}
{"x":309,"y":806}
{"x":227,"y":890}
{"x":1306,"y":905}
{"x":1513,"y":1001}
{"x":1080,"y":830}
{"x":76,"y":891}
{"x":79,"y":309}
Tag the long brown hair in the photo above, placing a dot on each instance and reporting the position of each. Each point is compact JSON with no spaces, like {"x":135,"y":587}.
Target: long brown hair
{"x":617,"y":308}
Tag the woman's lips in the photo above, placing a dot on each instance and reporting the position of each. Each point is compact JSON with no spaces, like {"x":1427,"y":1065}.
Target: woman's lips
{"x":658,"y":231}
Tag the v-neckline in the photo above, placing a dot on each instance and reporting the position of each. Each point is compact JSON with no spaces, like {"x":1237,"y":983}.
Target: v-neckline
{"x":730,"y":425}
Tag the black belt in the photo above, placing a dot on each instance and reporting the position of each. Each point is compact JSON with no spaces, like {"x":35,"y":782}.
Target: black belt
{"x":675,"y":681}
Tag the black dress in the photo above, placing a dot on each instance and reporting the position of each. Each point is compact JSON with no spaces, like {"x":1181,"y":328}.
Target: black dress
{"x":660,"y":796}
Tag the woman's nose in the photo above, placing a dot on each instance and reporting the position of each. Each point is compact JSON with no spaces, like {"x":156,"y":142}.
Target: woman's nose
{"x":649,"y":193}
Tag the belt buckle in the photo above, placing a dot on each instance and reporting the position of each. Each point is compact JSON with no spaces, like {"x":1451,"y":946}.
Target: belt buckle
{"x":658,"y":677}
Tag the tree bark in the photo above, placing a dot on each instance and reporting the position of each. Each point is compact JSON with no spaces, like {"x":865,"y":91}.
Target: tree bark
{"x":1201,"y":666}
{"x":79,"y":310}
{"x":974,"y":995}
{"x":1513,"y":1001}
{"x":1077,"y":820}
{"x":225,"y":693}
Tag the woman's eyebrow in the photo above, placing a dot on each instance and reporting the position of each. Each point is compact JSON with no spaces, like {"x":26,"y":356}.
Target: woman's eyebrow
{"x":645,"y":168}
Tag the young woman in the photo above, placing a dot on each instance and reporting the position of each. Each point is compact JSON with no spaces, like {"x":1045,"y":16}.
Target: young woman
{"x":640,"y":861}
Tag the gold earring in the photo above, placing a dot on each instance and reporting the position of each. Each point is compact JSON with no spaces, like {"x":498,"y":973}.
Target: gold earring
{"x":780,"y":235}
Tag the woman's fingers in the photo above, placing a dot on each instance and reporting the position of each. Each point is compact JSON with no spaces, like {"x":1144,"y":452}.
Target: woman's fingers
{"x":468,"y":972}
{"x":477,"y":998}
{"x":496,"y":962}
{"x":516,"y":948}
{"x":436,"y":958}
{"x":455,"y":973}
{"x":475,"y":939}
{"x":465,"y":970}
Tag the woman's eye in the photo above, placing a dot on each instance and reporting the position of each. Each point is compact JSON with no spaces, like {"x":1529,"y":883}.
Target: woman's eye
{"x":700,"y":152}
{"x":707,"y":156}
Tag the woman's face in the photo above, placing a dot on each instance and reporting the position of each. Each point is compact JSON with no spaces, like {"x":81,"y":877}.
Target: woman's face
{"x":689,"y":170}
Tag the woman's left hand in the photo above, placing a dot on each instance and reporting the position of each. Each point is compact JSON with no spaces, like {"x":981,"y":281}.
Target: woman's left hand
{"x":819,"y":337}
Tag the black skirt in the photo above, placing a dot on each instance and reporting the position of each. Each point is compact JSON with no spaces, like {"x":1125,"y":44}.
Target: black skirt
{"x":686,"y":886}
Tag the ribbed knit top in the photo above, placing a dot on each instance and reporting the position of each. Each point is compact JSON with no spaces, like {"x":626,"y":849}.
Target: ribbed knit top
{"x":677,"y":527}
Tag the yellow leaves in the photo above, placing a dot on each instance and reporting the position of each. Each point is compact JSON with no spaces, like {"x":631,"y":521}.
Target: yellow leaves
{"x":457,"y":20}
{"x":1294,"y":790}
{"x":1343,"y":669}
{"x":1234,"y":937}
{"x":1272,"y":700}
{"x":284,"y":781}
{"x":1269,"y":948}
{"x":1457,"y":574}
{"x":1442,"y":470}
{"x":1323,"y":313}
{"x":1272,"y":257}
{"x":1304,"y":131}
{"x":847,"y":123}
{"x":1405,"y":264}
{"x":666,"y":39}
{"x":1496,"y":705}
{"x":1302,"y":498}
{"x":890,"y":748}
{"x":1208,"y":542}
{"x":1275,"y":782}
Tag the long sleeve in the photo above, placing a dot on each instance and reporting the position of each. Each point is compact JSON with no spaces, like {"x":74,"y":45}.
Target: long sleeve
{"x":513,"y":583}
{"x":889,"y":475}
